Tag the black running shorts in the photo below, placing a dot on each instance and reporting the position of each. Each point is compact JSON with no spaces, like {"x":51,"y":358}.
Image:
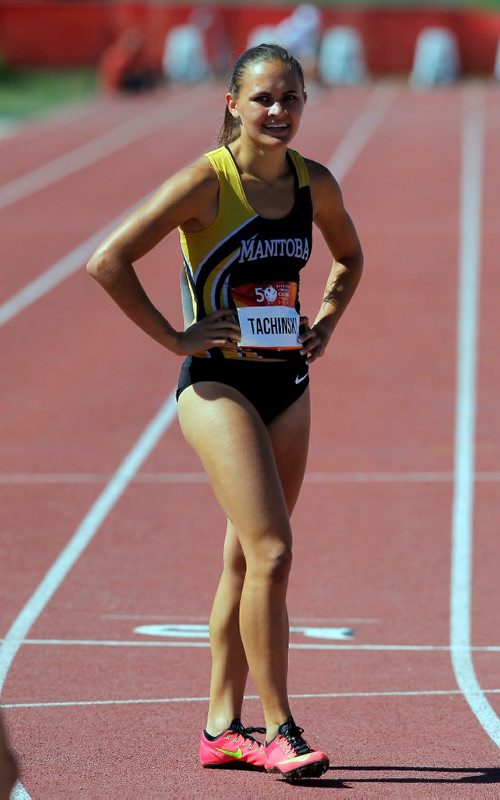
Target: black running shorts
{"x":271,"y":386}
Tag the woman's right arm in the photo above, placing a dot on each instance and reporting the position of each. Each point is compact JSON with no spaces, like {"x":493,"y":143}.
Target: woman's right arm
{"x":187,"y":199}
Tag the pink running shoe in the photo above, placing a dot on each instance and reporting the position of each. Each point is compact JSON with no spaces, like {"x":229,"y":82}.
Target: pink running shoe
{"x":290,"y":756}
{"x":236,"y":747}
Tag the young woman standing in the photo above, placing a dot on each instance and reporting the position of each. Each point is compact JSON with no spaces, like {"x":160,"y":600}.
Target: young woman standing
{"x":245,"y":214}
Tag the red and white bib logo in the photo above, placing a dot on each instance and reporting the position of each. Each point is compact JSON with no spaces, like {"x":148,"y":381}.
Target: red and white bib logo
{"x":267,"y":315}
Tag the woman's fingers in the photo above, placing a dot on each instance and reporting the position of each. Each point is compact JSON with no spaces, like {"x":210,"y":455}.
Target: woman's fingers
{"x":220,"y":326}
{"x":313,"y":345}
{"x":216,"y":330}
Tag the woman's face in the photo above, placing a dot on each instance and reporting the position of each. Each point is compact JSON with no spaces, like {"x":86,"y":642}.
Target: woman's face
{"x":269,"y":104}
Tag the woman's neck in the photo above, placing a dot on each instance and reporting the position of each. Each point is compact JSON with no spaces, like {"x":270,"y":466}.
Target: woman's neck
{"x":267,"y":166}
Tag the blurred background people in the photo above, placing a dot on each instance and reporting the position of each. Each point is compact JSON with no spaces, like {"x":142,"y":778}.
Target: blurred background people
{"x":125,"y":64}
{"x":300,"y":33}
{"x":197,"y":50}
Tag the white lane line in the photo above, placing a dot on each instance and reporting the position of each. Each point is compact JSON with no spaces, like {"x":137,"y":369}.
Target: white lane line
{"x":62,"y":115}
{"x":96,"y":477}
{"x":62,"y":269}
{"x":363,"y":127}
{"x":164,"y":618}
{"x":467,"y":337}
{"x":19,"y":793}
{"x":78,"y":542}
{"x":91,"y":152}
{"x":37,"y":125}
{"x":200,"y":477}
{"x":84,"y":534}
{"x":72,"y":261}
{"x":397,"y":648}
{"x":378,"y":477}
{"x":305,"y":696}
{"x":7,"y":127}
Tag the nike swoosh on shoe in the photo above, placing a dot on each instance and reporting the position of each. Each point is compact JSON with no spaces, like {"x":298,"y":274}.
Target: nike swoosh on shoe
{"x":233,"y":753}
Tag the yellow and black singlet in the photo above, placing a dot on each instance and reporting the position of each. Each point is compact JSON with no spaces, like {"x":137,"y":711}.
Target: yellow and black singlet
{"x":250,"y":263}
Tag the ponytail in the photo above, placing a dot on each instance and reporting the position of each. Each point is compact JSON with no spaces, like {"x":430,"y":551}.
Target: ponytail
{"x":230,"y":129}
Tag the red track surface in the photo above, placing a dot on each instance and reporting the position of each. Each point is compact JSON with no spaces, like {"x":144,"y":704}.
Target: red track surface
{"x":373,"y":525}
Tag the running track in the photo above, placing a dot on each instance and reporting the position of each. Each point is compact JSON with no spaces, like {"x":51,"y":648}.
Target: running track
{"x":108,"y":525}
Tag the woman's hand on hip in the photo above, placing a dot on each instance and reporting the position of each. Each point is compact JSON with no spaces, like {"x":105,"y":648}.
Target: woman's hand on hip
{"x":313,"y":340}
{"x":216,"y":330}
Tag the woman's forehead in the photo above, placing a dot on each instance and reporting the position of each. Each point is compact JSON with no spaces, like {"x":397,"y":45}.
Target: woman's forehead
{"x":266,"y":74}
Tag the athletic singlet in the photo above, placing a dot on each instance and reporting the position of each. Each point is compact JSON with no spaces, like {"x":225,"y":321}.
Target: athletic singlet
{"x":249,"y":263}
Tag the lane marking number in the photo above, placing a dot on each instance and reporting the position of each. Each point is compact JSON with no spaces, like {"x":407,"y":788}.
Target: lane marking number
{"x":201,"y":631}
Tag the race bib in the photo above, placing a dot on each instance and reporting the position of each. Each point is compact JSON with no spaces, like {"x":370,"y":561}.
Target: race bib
{"x":267,"y":315}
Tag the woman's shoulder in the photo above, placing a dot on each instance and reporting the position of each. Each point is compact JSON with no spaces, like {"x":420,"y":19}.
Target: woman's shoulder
{"x":323,"y":182}
{"x":194,"y":184}
{"x":319,"y":175}
{"x":198,"y":175}
{"x":319,"y":172}
{"x":185,"y":196}
{"x":325,"y":190}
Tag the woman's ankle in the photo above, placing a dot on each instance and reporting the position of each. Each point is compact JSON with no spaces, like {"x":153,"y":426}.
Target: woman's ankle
{"x":219,"y":724}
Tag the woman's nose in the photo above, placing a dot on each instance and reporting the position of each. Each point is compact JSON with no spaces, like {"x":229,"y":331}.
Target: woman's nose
{"x":276,"y":108}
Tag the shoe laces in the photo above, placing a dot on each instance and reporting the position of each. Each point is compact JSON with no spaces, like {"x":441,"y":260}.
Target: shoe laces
{"x":243,"y":735}
{"x":292,"y":736}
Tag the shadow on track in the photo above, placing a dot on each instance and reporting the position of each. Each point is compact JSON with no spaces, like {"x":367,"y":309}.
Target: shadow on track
{"x":440,"y":775}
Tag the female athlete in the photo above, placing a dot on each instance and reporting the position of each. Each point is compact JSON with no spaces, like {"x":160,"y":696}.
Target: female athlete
{"x":244,"y":213}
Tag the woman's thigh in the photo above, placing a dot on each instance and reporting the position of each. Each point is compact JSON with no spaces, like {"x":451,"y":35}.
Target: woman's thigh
{"x":289,"y":434}
{"x":236,"y":450}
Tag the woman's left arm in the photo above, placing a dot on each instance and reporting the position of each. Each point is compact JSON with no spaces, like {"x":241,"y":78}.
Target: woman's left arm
{"x":340,"y":235}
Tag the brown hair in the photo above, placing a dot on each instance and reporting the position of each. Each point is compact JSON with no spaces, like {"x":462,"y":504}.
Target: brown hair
{"x":263,"y":52}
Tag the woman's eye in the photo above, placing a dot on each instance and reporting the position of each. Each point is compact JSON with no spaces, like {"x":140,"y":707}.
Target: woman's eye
{"x":268,"y":101}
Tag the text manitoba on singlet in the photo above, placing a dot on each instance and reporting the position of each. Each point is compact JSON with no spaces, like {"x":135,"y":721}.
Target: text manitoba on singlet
{"x":270,"y":325}
{"x":254,"y":248}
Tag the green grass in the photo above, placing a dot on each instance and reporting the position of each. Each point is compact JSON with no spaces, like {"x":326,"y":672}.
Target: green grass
{"x":411,"y":4}
{"x":28,"y":92}
{"x":487,"y":4}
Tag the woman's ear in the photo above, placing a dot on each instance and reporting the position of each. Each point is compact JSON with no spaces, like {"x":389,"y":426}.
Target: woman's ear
{"x":232,"y":106}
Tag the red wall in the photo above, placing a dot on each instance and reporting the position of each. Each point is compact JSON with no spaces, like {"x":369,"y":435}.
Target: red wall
{"x":39,"y":33}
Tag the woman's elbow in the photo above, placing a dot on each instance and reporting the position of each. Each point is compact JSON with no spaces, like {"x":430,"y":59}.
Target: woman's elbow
{"x":100,"y":266}
{"x":94,"y":265}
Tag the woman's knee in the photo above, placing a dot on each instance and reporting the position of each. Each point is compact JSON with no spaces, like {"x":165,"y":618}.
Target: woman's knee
{"x":281,"y":565}
{"x":236,"y":565}
{"x":273,"y":564}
